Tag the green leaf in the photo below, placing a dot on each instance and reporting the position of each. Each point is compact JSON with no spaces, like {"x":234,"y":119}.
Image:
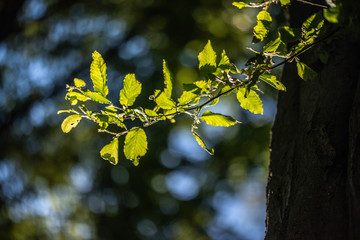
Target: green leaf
{"x":217,"y":119}
{"x":263,"y":25}
{"x":207,"y":59}
{"x":130,"y":91}
{"x":314,"y":21}
{"x":111,"y":111}
{"x":272,"y":46}
{"x":252,"y":102}
{"x":79,"y":83}
{"x":271,"y":80}
{"x":187,"y":98}
{"x":284,"y":2}
{"x":98,"y":74}
{"x":214,"y":102}
{"x":332,"y":14}
{"x":110,"y":151}
{"x":224,"y":64}
{"x":96,"y":97}
{"x":288,"y":34}
{"x":74,"y":97}
{"x":70,"y":122}
{"x":240,"y":5}
{"x":168,"y":80}
{"x":202,"y":143}
{"x":164,"y":102}
{"x":66,"y":111}
{"x":305,"y":72}
{"x":135,"y":144}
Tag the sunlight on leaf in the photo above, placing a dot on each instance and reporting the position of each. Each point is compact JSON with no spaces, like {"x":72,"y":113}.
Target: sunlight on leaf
{"x":110,"y":151}
{"x":207,"y":59}
{"x":98,"y":74}
{"x":272,"y":81}
{"x":240,"y":5}
{"x":305,"y":72}
{"x":202,"y":143}
{"x":217,"y":119}
{"x":252,"y":102}
{"x":135,"y":144}
{"x":96,"y":97}
{"x":168,"y":80}
{"x":79,"y":83}
{"x":130,"y":91}
{"x":70,"y":122}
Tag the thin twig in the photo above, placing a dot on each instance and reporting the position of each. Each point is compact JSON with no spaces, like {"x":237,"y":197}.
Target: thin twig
{"x":313,"y":4}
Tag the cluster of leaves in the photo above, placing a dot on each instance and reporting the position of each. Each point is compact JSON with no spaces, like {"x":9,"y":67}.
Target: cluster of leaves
{"x":220,"y":78}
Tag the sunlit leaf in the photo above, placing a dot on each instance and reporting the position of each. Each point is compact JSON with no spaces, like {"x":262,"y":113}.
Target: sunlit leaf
{"x":305,"y":72}
{"x":98,"y":74}
{"x":284,"y":2}
{"x":214,"y":102}
{"x":207,"y":59}
{"x":70,"y":122}
{"x":202,"y":143}
{"x":74,"y":97}
{"x":187,"y":98}
{"x":272,"y":46}
{"x":272,"y":81}
{"x":79,"y":83}
{"x":130,"y":91}
{"x":110,"y":110}
{"x":164,"y":102}
{"x":110,"y":151}
{"x":332,"y":14}
{"x":263,"y":25}
{"x":96,"y":97}
{"x":314,"y":21}
{"x":240,"y":5}
{"x":224,"y":60}
{"x":135,"y":144}
{"x":217,"y":119}
{"x":168,"y":80}
{"x":252,"y":102}
{"x":66,"y":111}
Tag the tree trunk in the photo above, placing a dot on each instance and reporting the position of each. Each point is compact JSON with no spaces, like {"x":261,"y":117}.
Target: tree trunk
{"x":313,"y":187}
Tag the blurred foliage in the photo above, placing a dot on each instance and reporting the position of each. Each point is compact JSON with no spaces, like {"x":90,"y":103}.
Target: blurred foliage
{"x":47,"y":191}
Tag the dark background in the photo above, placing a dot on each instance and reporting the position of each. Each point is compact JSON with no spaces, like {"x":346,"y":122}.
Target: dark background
{"x":56,"y":186}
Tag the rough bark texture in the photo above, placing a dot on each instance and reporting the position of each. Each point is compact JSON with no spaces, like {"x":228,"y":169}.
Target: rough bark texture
{"x":313,"y":187}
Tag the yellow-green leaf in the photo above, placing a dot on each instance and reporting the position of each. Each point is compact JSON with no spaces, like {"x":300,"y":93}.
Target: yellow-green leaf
{"x":240,"y":5}
{"x":97,"y":97}
{"x":187,"y":98}
{"x":167,"y":80}
{"x":135,"y":144}
{"x":272,"y":46}
{"x":263,"y":25}
{"x":207,"y":59}
{"x":252,"y":102}
{"x":217,"y":119}
{"x":130,"y":91}
{"x":79,"y":83}
{"x":66,"y":111}
{"x":284,"y":2}
{"x":98,"y":74}
{"x":304,"y":71}
{"x":164,"y":101}
{"x":73,"y":97}
{"x":202,"y":143}
{"x":70,"y":122}
{"x":272,"y":81}
{"x":110,"y":151}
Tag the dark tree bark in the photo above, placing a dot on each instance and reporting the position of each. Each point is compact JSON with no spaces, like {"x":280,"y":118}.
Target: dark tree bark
{"x":313,"y":187}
